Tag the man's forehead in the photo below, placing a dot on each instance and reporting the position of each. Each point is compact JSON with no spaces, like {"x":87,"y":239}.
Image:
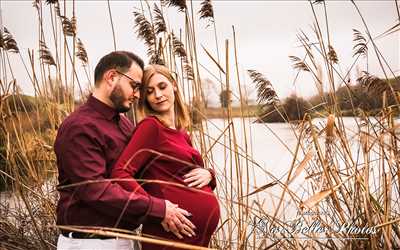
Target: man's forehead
{"x":135,"y":71}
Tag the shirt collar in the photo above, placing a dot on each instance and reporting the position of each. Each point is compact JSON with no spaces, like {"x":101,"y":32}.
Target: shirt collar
{"x":108,"y":112}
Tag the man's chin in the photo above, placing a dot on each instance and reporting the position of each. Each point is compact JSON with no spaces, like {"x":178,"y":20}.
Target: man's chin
{"x":123,"y":109}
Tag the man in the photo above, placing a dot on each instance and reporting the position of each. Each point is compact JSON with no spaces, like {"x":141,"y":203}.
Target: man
{"x":88,"y":143}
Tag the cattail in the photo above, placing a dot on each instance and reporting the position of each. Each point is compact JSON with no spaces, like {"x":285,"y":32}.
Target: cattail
{"x":298,"y":63}
{"x":265,"y":91}
{"x":81,"y":52}
{"x":7,"y":42}
{"x":360,"y":48}
{"x":206,"y":11}
{"x":69,"y":27}
{"x":159,"y":21}
{"x":45,"y":54}
{"x":332,"y":56}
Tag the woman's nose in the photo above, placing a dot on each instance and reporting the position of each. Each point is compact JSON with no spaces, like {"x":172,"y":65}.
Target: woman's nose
{"x":157,"y":93}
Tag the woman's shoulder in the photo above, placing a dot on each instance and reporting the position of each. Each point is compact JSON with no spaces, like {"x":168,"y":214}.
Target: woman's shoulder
{"x":186,"y":136}
{"x":149,"y":122}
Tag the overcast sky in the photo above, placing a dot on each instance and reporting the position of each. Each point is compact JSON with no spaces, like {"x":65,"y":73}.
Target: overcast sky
{"x":266,"y":34}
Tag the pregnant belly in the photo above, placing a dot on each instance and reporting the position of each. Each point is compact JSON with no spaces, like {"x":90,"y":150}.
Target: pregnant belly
{"x":202,"y":204}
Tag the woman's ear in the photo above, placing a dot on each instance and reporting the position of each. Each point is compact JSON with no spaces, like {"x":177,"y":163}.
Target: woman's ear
{"x":174,"y":85}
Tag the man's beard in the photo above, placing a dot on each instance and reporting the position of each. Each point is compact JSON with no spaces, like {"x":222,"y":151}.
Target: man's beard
{"x":117,"y":98}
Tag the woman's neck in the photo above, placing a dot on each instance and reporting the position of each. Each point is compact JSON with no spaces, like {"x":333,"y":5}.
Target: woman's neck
{"x":168,"y":118}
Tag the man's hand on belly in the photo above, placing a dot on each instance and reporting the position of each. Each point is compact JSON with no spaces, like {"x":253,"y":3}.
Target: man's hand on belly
{"x":175,"y":221}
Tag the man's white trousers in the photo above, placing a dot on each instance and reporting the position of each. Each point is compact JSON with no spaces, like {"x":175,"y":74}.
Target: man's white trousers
{"x":66,"y":243}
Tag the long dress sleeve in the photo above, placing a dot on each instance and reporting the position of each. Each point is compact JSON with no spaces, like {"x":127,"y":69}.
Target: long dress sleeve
{"x":213,"y":181}
{"x":137,"y":154}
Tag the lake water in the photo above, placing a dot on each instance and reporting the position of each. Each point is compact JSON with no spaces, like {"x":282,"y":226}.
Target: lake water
{"x":270,"y":146}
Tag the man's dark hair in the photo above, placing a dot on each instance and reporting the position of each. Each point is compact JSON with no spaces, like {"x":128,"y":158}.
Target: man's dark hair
{"x":121,"y":60}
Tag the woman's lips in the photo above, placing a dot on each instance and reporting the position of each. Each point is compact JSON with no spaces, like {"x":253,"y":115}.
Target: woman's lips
{"x":158,"y":103}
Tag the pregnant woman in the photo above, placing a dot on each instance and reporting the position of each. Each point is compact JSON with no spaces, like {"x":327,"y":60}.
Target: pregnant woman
{"x":161,"y":153}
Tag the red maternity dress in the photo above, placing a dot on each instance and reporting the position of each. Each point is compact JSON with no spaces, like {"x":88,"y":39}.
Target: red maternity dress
{"x":136,"y":160}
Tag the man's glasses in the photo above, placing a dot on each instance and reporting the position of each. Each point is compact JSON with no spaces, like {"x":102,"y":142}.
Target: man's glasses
{"x":135,"y":85}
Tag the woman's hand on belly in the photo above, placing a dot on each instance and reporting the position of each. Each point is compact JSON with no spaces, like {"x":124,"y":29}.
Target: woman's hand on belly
{"x":198,"y":178}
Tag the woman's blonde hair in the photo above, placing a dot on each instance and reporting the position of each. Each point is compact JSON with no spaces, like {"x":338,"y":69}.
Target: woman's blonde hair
{"x":182,"y":120}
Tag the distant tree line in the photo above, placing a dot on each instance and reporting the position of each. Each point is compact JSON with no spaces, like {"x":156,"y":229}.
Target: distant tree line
{"x":368,"y":96}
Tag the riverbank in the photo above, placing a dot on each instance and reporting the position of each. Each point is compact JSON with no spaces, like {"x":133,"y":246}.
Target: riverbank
{"x":247,"y":111}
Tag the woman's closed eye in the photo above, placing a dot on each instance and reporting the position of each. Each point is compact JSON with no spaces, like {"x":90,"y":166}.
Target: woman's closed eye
{"x":161,"y":86}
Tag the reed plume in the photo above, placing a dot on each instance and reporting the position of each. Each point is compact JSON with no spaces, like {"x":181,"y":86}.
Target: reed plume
{"x":145,"y":31}
{"x":35,"y":4}
{"x":179,"y":50}
{"x":69,"y":26}
{"x":7,"y":41}
{"x":265,"y":92}
{"x":360,"y":48}
{"x":178,"y":46}
{"x":299,"y":64}
{"x":52,"y":1}
{"x":332,"y":56}
{"x":180,"y":4}
{"x":148,"y":32}
{"x":374,"y":84}
{"x":206,"y":11}
{"x":81,"y":52}
{"x":159,"y":21}
{"x":156,"y":58}
{"x":188,"y":69}
{"x":45,"y":54}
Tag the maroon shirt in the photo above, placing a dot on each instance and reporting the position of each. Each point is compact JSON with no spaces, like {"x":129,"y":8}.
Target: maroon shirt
{"x":88,"y":144}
